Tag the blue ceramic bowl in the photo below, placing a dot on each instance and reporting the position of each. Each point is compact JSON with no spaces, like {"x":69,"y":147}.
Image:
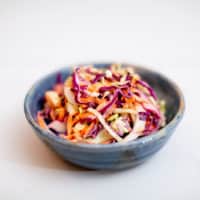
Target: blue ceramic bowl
{"x":109,"y":156}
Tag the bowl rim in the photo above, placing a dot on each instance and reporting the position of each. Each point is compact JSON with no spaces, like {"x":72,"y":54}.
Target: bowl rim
{"x":108,"y":147}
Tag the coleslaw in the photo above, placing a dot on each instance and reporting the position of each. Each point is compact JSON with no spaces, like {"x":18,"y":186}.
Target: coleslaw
{"x":101,"y":106}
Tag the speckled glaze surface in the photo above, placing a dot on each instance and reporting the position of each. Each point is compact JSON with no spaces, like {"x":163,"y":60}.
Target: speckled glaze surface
{"x":110,"y":156}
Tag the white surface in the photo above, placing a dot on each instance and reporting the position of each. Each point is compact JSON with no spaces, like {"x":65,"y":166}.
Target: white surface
{"x":39,"y":36}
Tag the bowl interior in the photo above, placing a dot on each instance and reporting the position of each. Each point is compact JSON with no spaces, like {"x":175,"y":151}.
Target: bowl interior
{"x":164,"y":88}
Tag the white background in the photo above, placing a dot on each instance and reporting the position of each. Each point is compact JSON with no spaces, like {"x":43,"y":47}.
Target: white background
{"x":37,"y":37}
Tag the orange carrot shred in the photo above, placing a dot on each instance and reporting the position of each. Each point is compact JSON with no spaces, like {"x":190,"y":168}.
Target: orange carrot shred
{"x":69,"y":125}
{"x":41,"y":121}
{"x":60,"y":114}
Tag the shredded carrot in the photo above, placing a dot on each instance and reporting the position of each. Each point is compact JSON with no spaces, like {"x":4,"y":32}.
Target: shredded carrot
{"x":87,"y":99}
{"x":87,"y":129}
{"x":69,"y":124}
{"x":60,"y":113}
{"x":94,"y":87}
{"x":112,"y":108}
{"x":100,"y":101}
{"x":76,"y":119}
{"x":41,"y":121}
{"x":79,"y":116}
{"x":85,"y":115}
{"x":107,"y":141}
{"x":130,"y":100}
{"x":52,"y":115}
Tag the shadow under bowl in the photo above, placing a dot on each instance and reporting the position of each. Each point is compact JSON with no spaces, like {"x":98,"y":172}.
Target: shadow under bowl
{"x":110,"y":156}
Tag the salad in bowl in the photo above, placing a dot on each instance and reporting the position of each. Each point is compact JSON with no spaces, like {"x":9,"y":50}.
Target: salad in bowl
{"x":101,"y":106}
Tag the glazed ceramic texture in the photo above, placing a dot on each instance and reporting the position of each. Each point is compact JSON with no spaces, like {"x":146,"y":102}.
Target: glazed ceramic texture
{"x":109,"y":156}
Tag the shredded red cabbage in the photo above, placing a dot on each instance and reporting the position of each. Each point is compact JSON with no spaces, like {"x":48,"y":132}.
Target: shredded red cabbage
{"x":128,"y":77}
{"x":107,"y":88}
{"x":97,"y":78}
{"x":78,"y":89}
{"x":146,"y":85}
{"x":110,"y":103}
{"x":143,"y":116}
{"x":93,"y":133}
{"x":59,"y":78}
{"x":116,"y":77}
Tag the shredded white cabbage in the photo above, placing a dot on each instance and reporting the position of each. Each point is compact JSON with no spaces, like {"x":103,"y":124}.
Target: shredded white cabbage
{"x":72,"y":109}
{"x":120,"y":125}
{"x":79,"y":127}
{"x":57,"y":126}
{"x":138,"y":128}
{"x":124,"y":110}
{"x":108,"y":74}
{"x":131,"y":136}
{"x":92,"y":94}
{"x":101,"y":137}
{"x":69,"y":95}
{"x":105,"y":125}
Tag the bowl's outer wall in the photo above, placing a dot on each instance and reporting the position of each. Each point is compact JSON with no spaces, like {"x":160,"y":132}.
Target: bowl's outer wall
{"x":118,"y":158}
